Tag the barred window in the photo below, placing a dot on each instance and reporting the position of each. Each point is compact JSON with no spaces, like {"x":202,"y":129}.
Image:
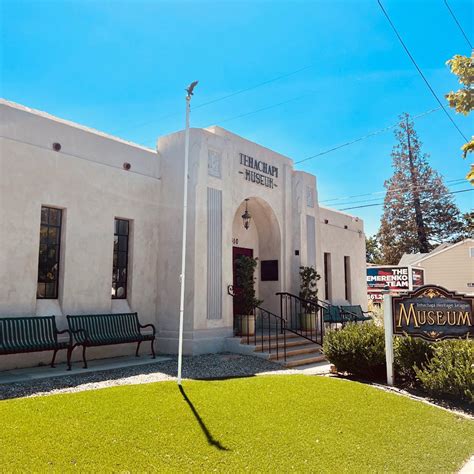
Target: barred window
{"x":49,"y":250}
{"x":120,"y":263}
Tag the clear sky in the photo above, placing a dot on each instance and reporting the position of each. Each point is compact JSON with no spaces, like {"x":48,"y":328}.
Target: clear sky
{"x":122,"y":66}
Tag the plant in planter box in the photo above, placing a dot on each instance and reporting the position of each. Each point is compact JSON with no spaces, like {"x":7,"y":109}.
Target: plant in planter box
{"x":245,"y":294}
{"x":309,"y":292}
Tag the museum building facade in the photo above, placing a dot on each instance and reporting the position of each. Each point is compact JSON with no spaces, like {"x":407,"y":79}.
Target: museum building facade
{"x":91,"y":224}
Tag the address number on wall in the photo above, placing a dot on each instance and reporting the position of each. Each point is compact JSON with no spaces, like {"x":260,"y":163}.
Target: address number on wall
{"x":235,"y":241}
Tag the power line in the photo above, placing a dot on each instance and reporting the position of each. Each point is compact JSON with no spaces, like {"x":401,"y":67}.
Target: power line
{"x":381,"y":203}
{"x":420,"y":187}
{"x":213,"y":101}
{"x":260,"y":110}
{"x":364,"y":137}
{"x":421,"y":73}
{"x":457,"y":23}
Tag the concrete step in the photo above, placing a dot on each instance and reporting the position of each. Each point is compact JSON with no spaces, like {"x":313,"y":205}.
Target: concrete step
{"x":293,"y":342}
{"x":266,"y":337}
{"x":303,"y":359}
{"x":307,"y":350}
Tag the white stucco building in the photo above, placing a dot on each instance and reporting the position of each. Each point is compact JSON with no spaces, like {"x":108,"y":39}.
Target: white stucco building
{"x":115,"y":243}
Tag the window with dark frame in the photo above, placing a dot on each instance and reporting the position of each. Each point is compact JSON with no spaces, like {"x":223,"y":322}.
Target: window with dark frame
{"x":49,"y":251}
{"x":327,"y":276}
{"x":347,"y":278}
{"x":120,"y":261}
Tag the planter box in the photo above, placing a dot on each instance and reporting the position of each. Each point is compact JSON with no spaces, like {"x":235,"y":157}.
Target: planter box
{"x":246,"y":325}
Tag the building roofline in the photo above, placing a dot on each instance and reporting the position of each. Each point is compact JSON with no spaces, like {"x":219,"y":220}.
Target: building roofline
{"x":46,"y":115}
{"x":434,"y":254}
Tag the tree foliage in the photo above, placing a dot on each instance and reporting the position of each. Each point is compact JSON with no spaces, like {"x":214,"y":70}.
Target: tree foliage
{"x":418,"y":211}
{"x":373,"y":253}
{"x":463,"y":99}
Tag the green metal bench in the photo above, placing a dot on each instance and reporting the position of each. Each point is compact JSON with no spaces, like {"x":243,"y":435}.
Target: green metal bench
{"x":105,"y":329}
{"x":33,"y":334}
{"x":355,"y":313}
{"x":332,"y":314}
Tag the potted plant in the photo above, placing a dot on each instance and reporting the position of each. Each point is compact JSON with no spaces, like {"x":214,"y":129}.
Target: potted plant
{"x":246,"y":302}
{"x":309,"y":292}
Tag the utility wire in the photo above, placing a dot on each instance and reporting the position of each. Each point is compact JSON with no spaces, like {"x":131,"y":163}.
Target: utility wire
{"x":260,"y":110}
{"x":345,"y":198}
{"x":381,"y":203}
{"x":213,"y":101}
{"x":364,"y":137}
{"x":457,"y":23}
{"x":420,"y":71}
{"x":421,"y":189}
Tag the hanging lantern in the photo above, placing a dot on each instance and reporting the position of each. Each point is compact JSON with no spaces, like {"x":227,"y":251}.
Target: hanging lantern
{"x":246,"y":216}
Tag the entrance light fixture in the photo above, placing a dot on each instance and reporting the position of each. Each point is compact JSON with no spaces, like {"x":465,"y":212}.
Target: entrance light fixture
{"x":246,"y":216}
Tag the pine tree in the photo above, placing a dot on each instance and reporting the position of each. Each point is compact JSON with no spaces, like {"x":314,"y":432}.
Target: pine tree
{"x":418,"y":212}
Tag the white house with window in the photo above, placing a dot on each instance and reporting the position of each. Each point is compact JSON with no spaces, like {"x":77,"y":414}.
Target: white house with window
{"x":91,"y":224}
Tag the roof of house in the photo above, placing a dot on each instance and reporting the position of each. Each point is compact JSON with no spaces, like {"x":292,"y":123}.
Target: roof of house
{"x":413,"y":258}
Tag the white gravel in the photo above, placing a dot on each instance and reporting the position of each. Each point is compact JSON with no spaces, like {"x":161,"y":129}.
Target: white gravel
{"x":204,"y":367}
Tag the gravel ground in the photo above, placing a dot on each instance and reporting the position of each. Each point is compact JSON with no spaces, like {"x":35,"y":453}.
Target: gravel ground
{"x":209,"y":366}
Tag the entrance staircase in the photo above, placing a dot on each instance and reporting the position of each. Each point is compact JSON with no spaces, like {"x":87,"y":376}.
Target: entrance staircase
{"x":282,"y":338}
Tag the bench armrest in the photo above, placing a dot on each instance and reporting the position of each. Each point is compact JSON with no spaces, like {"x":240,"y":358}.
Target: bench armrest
{"x":66,"y":331}
{"x":77,"y":331}
{"x":143,"y":326}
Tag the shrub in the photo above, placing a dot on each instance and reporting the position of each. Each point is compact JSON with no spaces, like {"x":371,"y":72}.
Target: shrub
{"x":358,"y":349}
{"x":450,"y":372}
{"x":409,"y":353}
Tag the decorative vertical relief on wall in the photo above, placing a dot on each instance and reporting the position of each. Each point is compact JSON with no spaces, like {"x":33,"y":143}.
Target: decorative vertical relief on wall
{"x":309,"y":196}
{"x":214,"y":161}
{"x":311,"y":240}
{"x":214,"y":254}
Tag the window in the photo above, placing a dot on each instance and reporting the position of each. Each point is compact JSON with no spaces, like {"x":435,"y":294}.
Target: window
{"x":471,"y":252}
{"x":347,"y":278}
{"x":49,"y":248}
{"x":327,"y":276}
{"x":120,"y":262}
{"x":269,"y":270}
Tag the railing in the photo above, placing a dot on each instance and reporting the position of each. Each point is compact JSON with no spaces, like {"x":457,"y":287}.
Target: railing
{"x":304,"y":318}
{"x":263,"y":329}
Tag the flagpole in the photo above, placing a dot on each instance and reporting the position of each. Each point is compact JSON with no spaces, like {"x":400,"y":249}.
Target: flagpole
{"x":189,"y":91}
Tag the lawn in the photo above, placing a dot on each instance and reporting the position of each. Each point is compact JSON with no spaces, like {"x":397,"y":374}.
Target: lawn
{"x":273,"y":423}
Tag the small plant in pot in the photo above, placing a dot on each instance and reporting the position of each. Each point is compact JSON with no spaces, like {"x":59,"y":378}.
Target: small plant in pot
{"x":308,"y":292}
{"x":246,"y":302}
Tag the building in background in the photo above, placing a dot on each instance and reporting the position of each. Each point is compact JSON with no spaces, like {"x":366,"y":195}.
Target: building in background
{"x":92,"y":223}
{"x":448,"y":265}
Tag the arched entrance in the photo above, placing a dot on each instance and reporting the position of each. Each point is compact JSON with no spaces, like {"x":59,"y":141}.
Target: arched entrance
{"x":261,"y":240}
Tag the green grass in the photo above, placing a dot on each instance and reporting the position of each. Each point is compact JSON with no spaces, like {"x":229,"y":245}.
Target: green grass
{"x":278,"y":423}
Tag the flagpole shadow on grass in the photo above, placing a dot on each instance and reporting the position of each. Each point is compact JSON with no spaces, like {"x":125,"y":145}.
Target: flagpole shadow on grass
{"x":210,"y":438}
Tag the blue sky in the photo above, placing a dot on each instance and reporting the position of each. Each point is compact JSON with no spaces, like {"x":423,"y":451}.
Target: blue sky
{"x":121,"y":67}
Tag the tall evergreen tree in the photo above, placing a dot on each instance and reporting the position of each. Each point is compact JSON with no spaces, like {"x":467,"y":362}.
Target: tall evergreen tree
{"x":418,"y":211}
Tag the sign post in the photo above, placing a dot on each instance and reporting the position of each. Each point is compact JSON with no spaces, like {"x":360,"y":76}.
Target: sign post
{"x":387,"y":319}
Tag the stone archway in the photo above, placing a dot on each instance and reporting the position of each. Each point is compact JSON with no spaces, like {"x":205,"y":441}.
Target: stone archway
{"x":263,"y":237}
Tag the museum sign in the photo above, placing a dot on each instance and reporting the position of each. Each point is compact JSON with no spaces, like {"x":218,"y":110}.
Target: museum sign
{"x":433,"y":313}
{"x":258,"y":171}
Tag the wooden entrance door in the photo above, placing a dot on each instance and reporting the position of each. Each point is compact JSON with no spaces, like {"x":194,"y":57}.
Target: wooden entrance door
{"x":238,"y":252}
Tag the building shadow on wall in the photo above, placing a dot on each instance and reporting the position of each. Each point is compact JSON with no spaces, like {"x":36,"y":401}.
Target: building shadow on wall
{"x":210,"y":439}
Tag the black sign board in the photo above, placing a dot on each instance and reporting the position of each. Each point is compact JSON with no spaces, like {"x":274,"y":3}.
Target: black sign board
{"x":433,"y":313}
{"x":269,"y":270}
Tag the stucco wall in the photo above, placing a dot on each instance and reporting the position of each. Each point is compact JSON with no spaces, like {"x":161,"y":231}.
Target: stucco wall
{"x":339,"y":242}
{"x":87,"y":181}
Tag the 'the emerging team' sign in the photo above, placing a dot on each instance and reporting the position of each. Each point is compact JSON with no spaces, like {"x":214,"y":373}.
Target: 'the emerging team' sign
{"x":433,"y":313}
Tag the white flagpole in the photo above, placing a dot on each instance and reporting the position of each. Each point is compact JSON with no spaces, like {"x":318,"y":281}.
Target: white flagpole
{"x":185,"y":212}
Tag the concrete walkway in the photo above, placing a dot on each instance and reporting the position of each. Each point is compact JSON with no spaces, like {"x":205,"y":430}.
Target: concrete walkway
{"x":99,"y":365}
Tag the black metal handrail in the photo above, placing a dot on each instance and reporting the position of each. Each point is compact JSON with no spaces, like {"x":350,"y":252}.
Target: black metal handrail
{"x":266,"y":328}
{"x":303,"y":317}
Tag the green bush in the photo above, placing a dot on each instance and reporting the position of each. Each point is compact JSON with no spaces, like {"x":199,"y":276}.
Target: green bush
{"x":450,"y":372}
{"x":358,"y":349}
{"x":410,"y":352}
